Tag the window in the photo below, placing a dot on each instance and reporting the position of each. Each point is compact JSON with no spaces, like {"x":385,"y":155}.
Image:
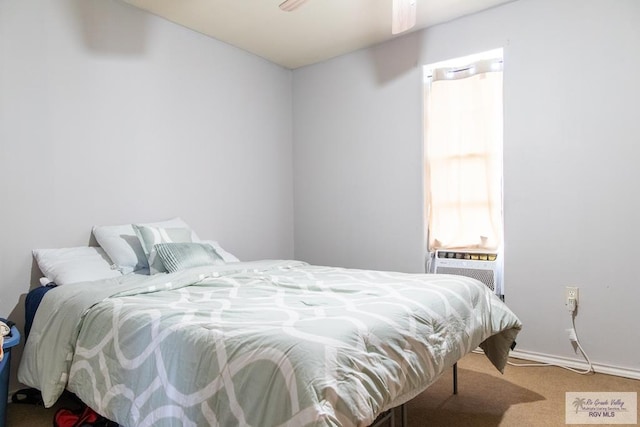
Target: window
{"x":463,"y":153}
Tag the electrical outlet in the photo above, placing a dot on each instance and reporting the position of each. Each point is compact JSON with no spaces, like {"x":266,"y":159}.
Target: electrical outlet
{"x":571,"y":292}
{"x":571,"y":298}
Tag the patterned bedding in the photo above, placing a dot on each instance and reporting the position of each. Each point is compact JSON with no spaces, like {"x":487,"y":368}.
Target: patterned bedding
{"x":269,"y":343}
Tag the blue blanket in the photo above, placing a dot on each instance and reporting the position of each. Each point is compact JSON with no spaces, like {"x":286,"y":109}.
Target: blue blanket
{"x":31,"y":304}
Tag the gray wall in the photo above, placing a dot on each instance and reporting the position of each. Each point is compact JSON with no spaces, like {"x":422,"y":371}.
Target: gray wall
{"x":109,"y":115}
{"x":571,"y":130}
{"x":358,"y":160}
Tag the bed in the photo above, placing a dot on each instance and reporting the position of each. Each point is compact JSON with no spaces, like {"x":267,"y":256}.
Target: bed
{"x":265,"y":343}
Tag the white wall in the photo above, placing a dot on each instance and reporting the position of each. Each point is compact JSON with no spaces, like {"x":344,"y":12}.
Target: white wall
{"x":109,"y":115}
{"x":358,"y":160}
{"x":571,"y":153}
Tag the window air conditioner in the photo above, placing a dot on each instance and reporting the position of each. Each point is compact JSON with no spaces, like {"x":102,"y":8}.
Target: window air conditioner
{"x":483,"y":266}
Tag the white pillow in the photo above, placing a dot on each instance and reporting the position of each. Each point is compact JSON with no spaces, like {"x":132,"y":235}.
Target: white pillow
{"x":72,"y":265}
{"x":122,"y":245}
{"x":226,"y":256}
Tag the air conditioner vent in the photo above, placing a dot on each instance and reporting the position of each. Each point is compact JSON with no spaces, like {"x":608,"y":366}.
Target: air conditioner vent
{"x":484,"y":267}
{"x":485,"y":276}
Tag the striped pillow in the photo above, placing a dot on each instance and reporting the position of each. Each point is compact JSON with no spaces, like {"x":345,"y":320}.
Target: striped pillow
{"x":179,"y":256}
{"x":150,"y":236}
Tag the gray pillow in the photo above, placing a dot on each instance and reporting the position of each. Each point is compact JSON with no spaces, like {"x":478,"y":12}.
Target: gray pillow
{"x":150,"y":236}
{"x":122,"y":245}
{"x":178,"y":256}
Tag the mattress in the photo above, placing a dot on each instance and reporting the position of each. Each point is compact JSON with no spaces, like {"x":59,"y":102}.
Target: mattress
{"x":268,"y":343}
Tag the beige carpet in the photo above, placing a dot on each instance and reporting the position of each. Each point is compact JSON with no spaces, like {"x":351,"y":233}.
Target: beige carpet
{"x":521,"y":397}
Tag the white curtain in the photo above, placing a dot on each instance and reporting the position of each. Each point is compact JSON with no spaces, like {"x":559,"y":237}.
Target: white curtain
{"x":463,"y":153}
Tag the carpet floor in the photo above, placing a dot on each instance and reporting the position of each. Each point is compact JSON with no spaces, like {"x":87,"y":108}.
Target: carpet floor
{"x":522,"y":397}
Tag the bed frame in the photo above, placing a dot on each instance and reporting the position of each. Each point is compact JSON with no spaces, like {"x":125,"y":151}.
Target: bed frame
{"x":390,"y":417}
{"x":397,"y":416}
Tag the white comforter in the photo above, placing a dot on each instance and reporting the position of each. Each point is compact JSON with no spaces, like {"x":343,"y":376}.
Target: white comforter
{"x":266,"y":344}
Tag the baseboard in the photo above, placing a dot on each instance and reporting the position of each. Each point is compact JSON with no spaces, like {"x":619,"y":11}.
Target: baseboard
{"x":576,"y":364}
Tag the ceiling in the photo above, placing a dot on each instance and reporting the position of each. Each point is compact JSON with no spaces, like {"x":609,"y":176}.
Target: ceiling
{"x":316,"y":31}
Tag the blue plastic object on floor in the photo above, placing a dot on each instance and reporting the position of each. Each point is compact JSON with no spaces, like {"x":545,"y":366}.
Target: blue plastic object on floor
{"x":5,"y":368}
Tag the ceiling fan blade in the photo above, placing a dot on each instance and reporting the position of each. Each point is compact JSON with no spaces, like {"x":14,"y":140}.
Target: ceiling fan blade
{"x":290,"y":5}
{"x":403,"y":15}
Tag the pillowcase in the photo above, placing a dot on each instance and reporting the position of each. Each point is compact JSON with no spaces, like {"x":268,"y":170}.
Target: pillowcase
{"x":226,"y":256}
{"x":151,"y":236}
{"x":122,"y":245}
{"x":72,"y":265}
{"x":178,"y":256}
